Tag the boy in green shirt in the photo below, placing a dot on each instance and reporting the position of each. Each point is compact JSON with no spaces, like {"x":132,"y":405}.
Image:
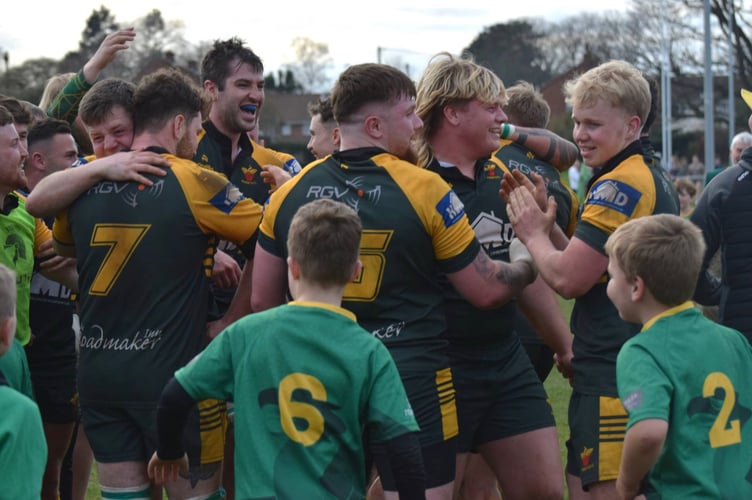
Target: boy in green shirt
{"x":683,"y":379}
{"x":308,"y":383}
{"x":23,"y":449}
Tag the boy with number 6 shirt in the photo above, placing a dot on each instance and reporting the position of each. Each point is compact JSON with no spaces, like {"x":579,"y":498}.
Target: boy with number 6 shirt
{"x":308,"y":383}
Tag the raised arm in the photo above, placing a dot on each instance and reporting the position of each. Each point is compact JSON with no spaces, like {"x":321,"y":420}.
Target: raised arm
{"x":65,"y":104}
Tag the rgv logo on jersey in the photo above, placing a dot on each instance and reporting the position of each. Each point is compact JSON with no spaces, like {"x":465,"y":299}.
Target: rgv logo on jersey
{"x":615,"y":195}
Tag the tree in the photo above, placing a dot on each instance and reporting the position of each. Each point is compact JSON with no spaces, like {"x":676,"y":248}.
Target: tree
{"x":284,"y":81}
{"x":311,"y":64}
{"x":28,"y":80}
{"x":511,"y":51}
{"x":99,"y":24}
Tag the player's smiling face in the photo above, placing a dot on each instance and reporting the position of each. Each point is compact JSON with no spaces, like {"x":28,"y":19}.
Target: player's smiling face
{"x":601,"y":131}
{"x":113,"y":134}
{"x":239,"y":102}
{"x":480,"y":125}
{"x":12,"y":156}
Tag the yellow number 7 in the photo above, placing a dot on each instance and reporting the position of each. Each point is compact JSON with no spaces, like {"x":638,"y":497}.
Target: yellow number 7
{"x":122,"y":240}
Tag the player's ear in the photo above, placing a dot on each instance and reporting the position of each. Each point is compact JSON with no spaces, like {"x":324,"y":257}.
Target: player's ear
{"x":294,"y":268}
{"x":179,"y":126}
{"x":451,"y":114}
{"x":634,"y":125}
{"x":373,"y":126}
{"x":638,"y":289}
{"x":356,"y":270}
{"x":335,"y":136}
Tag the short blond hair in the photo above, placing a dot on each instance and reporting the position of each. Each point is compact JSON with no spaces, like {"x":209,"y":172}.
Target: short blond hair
{"x":665,"y":250}
{"x":616,"y":82}
{"x":7,"y":292}
{"x":451,"y":80}
{"x":526,"y":106}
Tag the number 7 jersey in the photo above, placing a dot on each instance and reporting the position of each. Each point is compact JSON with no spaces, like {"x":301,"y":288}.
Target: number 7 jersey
{"x":144,"y":260}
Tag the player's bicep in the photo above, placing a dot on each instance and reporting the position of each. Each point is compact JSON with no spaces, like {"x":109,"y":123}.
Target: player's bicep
{"x":269,"y":282}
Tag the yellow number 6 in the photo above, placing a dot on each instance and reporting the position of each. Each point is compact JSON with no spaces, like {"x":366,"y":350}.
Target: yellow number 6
{"x":289,"y":409}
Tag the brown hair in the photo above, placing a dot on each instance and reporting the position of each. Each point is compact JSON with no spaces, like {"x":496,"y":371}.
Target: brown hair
{"x":665,"y":250}
{"x":363,"y":84}
{"x":324,"y":239}
{"x":526,"y":107}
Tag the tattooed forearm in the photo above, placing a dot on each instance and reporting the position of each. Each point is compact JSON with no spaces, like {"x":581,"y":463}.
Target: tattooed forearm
{"x":516,"y":275}
{"x":549,"y":147}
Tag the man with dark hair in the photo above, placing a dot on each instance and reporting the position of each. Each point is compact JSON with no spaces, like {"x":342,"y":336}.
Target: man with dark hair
{"x":323,"y":129}
{"x":149,"y":249}
{"x":52,"y":353}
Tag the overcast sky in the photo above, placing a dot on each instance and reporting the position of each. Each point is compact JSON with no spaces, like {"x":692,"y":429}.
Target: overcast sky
{"x":412,"y":30}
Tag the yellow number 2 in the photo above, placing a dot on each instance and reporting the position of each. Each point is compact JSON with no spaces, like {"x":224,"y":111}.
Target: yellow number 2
{"x":724,"y":432}
{"x":289,"y":409}
{"x":122,"y":240}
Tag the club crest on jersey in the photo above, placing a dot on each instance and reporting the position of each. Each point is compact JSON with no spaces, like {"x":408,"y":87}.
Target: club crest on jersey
{"x":450,"y":208}
{"x":615,"y":195}
{"x":227,"y":198}
{"x":492,"y":171}
{"x":249,"y":175}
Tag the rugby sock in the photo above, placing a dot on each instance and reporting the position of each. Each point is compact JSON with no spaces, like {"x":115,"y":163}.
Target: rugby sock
{"x":133,"y":493}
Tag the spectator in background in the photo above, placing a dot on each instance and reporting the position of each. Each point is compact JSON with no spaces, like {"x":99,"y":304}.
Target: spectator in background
{"x":687,"y":191}
{"x":739,"y":143}
{"x":574,"y":175}
{"x":722,"y":213}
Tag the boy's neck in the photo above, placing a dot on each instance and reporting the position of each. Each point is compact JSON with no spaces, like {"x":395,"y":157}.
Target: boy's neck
{"x":307,"y":292}
{"x":650,"y":308}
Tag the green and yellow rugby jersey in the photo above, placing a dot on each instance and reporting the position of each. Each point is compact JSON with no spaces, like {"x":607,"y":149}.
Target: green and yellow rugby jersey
{"x":414,"y":226}
{"x":625,"y":189}
{"x":486,"y":212}
{"x":215,"y":152}
{"x":694,"y":374}
{"x":144,"y":259}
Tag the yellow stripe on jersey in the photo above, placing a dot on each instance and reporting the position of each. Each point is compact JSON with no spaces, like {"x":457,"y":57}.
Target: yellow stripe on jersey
{"x":212,"y":425}
{"x":446,"y":393}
